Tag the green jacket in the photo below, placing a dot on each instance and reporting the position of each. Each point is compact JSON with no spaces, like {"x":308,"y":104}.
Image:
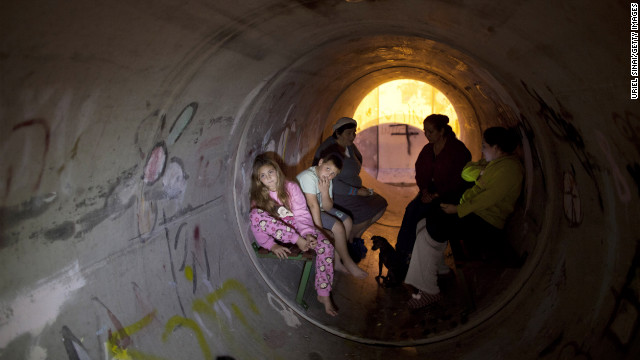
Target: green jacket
{"x":497,"y":188}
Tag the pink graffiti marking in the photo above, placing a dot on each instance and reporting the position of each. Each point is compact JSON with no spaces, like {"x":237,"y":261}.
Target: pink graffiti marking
{"x":209,"y":143}
{"x":208,"y":175}
{"x":155,"y":164}
{"x":123,"y":340}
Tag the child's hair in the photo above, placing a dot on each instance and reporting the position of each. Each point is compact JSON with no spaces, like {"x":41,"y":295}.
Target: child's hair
{"x":259,"y":193}
{"x":506,"y":139}
{"x":332,"y":154}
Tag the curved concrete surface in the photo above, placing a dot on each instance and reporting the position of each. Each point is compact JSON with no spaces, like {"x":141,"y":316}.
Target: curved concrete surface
{"x":128,"y":131}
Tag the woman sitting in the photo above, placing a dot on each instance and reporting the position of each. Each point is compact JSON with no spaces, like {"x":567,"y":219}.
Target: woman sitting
{"x":438,"y":169}
{"x":349,"y":195}
{"x":478,"y":218}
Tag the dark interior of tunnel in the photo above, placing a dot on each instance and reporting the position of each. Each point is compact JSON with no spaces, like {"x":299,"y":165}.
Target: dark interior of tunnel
{"x":468,"y":86}
{"x":128,"y":132}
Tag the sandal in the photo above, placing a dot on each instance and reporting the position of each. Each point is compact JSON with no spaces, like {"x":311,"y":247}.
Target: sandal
{"x":423,"y":299}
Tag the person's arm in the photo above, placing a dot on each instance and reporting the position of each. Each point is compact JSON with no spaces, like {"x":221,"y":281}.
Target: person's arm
{"x":342,"y":188}
{"x":327,"y":201}
{"x":314,"y":208}
{"x":280,"y":251}
{"x":298,"y":202}
{"x":423,"y":168}
{"x":492,"y":187}
{"x":447,"y":170}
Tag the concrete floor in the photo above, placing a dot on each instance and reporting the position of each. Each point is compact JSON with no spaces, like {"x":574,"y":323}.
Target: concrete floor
{"x":380,"y":315}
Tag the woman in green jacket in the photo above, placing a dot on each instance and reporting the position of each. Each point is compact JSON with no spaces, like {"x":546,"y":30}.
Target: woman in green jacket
{"x":478,"y":219}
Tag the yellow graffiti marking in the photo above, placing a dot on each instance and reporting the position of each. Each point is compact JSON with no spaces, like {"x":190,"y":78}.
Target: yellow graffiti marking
{"x":113,"y":341}
{"x":188,"y":273}
{"x":204,"y":308}
{"x":200,"y":306}
{"x":191,"y":324}
{"x":229,"y":285}
{"x":240,"y":315}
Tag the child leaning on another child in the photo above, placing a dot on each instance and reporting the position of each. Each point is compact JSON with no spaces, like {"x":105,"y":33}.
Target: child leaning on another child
{"x":279,"y":212}
{"x":316,"y":184}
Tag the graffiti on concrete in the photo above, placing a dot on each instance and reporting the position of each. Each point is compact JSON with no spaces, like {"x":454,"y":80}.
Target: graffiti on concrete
{"x":628,"y":125}
{"x":287,"y":314}
{"x":621,"y":185}
{"x":73,"y":345}
{"x":120,"y":342}
{"x":572,"y":204}
{"x":208,"y":172}
{"x":624,"y":323}
{"x":10,"y":216}
{"x":406,"y":133}
{"x":156,"y":163}
{"x":199,"y":257}
{"x":121,"y":338}
{"x":532,"y":160}
{"x":559,"y":121}
{"x":181,"y":123}
{"x":173,"y":271}
{"x":45,"y":133}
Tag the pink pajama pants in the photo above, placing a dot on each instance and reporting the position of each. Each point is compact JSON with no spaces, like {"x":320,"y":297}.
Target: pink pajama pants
{"x":264,"y":225}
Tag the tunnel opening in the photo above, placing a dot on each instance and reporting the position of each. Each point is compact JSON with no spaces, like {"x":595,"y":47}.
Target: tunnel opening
{"x":292,"y":113}
{"x":390,"y":134}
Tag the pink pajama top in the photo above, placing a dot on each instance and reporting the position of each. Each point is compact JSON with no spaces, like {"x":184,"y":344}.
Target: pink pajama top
{"x":300,"y":223}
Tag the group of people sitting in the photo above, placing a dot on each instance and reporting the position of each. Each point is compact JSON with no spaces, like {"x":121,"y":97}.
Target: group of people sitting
{"x":330,"y":196}
{"x":458,"y":200}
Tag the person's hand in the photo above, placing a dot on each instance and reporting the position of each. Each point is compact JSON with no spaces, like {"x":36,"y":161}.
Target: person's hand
{"x":303,"y":243}
{"x":363,"y":191}
{"x":280,"y":251}
{"x":449,"y":208}
{"x":323,"y":184}
{"x":428,"y":197}
{"x":313,"y":241}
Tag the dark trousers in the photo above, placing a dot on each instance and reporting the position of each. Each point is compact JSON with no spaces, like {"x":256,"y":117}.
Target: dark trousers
{"x":472,"y":238}
{"x":413,"y":213}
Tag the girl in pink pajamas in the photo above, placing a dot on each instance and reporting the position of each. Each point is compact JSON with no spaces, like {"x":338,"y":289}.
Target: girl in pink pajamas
{"x":279,"y":212}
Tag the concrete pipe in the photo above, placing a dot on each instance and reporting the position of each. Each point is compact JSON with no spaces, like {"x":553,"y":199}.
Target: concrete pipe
{"x":128,"y":132}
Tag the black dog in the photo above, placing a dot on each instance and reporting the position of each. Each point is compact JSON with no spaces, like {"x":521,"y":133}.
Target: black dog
{"x":396,"y":269}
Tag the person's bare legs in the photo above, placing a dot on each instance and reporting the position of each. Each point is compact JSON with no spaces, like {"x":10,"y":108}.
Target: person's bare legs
{"x":328,"y":305}
{"x":358,"y":229}
{"x":342,"y":253}
{"x":348,"y":226}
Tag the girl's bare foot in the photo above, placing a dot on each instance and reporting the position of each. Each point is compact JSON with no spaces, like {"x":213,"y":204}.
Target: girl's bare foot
{"x":349,"y":268}
{"x":356,"y":271}
{"x":328,"y":305}
{"x":338,"y":266}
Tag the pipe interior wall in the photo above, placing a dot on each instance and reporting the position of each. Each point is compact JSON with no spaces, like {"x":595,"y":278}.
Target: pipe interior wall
{"x":128,"y":131}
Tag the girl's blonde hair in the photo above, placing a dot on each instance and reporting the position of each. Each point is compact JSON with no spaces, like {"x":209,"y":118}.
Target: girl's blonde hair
{"x":259,"y":193}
